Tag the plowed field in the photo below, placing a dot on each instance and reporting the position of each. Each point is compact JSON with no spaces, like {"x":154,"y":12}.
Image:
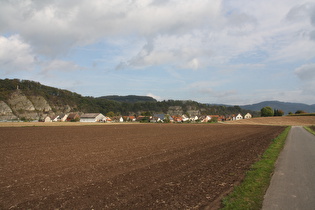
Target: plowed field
{"x":285,"y":120}
{"x":141,"y":166}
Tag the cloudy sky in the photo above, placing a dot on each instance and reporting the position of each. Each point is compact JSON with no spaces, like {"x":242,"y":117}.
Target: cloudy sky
{"x":211,"y":51}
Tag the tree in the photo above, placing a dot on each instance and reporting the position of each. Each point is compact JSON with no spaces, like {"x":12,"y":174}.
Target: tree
{"x":267,"y":111}
{"x":278,"y":112}
{"x":110,"y":114}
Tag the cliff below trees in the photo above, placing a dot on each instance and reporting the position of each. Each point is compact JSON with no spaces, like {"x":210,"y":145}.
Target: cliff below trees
{"x":27,"y":100}
{"x":19,"y":106}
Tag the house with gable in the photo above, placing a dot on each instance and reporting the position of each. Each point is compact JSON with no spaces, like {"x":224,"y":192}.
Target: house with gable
{"x":47,"y":119}
{"x":177,"y":118}
{"x":129,"y":118}
{"x":158,"y":118}
{"x":73,"y":117}
{"x":62,"y":118}
{"x":193,"y":118}
{"x":185,"y":118}
{"x":162,"y":118}
{"x":108,"y":119}
{"x":205,"y":118}
{"x":92,"y":117}
{"x":54,"y":118}
{"x":215,"y":117}
{"x":119,"y":119}
{"x":239,"y":117}
{"x":247,"y":116}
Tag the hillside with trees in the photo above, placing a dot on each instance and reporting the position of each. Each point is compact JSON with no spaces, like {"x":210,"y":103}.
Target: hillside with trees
{"x":32,"y":100}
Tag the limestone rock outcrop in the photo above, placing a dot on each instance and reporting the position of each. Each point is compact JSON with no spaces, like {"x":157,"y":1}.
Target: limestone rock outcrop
{"x":18,"y":101}
{"x":6,"y":112}
{"x":40,"y":103}
{"x":175,"y":110}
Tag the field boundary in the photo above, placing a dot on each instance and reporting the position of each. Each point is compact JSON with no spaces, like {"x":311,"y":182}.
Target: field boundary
{"x":250,"y":193}
{"x":309,"y":130}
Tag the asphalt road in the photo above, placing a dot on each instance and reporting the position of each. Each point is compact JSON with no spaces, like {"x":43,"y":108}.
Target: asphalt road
{"x":293,"y":183}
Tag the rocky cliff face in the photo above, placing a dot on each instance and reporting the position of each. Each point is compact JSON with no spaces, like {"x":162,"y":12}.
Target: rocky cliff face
{"x":20,"y":106}
{"x":175,"y":110}
{"x":18,"y":101}
{"x":193,"y":111}
{"x":178,"y":110}
{"x":6,"y":112}
{"x":40,"y":103}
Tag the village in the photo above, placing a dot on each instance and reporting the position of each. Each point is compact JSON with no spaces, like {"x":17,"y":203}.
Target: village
{"x":157,"y":118}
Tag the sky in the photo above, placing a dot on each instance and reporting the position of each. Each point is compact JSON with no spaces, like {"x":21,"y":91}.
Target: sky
{"x":233,"y":52}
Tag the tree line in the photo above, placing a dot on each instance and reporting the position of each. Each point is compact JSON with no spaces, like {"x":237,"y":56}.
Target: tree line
{"x":269,"y":112}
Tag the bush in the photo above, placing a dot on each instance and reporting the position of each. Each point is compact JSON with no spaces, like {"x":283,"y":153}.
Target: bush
{"x":300,"y":112}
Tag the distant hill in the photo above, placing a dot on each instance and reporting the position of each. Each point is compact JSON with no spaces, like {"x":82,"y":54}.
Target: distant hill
{"x":284,"y":106}
{"x":129,"y":98}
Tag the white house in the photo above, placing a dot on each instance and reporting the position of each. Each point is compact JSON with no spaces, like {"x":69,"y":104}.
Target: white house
{"x":184,"y":118}
{"x":55,"y":118}
{"x":193,"y":118}
{"x":239,"y":117}
{"x":158,"y":118}
{"x":204,"y":119}
{"x":92,"y":117}
{"x":47,"y":119}
{"x":130,"y":118}
{"x":247,"y":116}
{"x":62,"y":117}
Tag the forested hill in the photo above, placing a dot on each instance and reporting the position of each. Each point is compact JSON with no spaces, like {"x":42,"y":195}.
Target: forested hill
{"x":284,"y":106}
{"x":32,"y":100}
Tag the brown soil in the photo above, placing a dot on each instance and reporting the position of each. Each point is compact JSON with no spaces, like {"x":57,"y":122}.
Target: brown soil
{"x":285,"y":120}
{"x":139,"y":166}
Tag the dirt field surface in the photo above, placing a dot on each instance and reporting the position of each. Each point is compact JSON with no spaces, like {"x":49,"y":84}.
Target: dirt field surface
{"x":285,"y":120}
{"x":26,"y":124}
{"x":139,"y":166}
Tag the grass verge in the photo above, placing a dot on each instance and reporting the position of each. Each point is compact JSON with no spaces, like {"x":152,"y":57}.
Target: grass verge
{"x":309,"y":130}
{"x":250,"y":193}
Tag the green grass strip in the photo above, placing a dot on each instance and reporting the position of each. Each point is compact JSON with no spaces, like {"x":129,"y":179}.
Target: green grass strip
{"x":250,"y":193}
{"x":309,"y":130}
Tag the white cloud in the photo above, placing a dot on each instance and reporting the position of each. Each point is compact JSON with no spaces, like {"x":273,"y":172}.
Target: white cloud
{"x":54,"y":26}
{"x":194,"y":64}
{"x":211,"y":91}
{"x":177,"y":33}
{"x":15,"y":54}
{"x":59,"y":65}
{"x":158,"y":98}
{"x":306,"y":73}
